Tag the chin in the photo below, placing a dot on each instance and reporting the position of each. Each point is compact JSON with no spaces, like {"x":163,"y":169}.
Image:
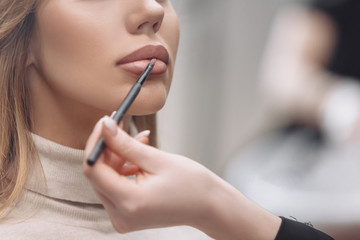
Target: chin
{"x":146,"y":107}
{"x":149,"y":101}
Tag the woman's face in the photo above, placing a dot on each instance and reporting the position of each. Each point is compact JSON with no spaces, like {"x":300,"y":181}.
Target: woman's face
{"x":89,"y":53}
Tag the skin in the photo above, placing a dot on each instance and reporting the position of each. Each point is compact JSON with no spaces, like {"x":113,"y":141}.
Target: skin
{"x":72,"y":69}
{"x":73,"y":79}
{"x":169,"y":190}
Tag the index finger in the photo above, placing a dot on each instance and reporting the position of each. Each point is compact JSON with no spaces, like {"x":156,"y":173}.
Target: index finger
{"x":109,"y":182}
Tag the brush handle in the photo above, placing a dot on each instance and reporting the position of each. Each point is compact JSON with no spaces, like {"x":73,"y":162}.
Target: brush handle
{"x":125,"y":105}
{"x":120,"y":113}
{"x":95,"y":154}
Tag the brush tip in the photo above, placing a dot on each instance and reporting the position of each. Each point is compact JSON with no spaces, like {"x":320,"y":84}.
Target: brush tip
{"x":153,"y":61}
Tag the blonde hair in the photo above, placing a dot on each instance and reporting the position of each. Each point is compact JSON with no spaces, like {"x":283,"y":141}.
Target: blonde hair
{"x":16,"y":20}
{"x":17,"y":151}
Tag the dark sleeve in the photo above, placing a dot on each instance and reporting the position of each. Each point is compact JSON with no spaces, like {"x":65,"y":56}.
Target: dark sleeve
{"x":335,"y":9}
{"x":293,"y":230}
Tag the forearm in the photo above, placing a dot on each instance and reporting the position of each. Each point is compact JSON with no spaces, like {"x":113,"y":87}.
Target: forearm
{"x":230,"y":215}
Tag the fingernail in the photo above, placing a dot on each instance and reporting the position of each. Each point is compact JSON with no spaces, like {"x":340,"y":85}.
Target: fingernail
{"x":113,"y":114}
{"x":145,"y":133}
{"x":110,"y":124}
{"x":98,"y":123}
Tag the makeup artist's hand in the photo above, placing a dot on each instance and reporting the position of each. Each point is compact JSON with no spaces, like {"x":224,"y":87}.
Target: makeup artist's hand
{"x":163,"y":192}
{"x":168,"y":190}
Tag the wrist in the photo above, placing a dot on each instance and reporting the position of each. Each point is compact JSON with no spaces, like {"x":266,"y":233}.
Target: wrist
{"x":230,"y":215}
{"x":205,"y":217}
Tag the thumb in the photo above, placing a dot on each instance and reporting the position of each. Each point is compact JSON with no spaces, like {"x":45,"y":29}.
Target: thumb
{"x":120,"y":143}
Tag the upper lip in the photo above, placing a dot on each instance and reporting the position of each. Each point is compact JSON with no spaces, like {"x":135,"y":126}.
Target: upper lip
{"x":148,"y":52}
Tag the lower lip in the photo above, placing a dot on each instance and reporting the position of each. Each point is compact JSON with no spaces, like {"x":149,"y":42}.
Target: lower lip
{"x":138,"y":67}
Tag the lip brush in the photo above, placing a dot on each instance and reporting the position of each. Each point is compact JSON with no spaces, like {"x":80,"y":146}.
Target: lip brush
{"x":120,"y":113}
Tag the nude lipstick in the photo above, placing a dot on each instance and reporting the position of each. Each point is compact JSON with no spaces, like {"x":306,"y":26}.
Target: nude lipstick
{"x":139,"y":59}
{"x":124,"y":106}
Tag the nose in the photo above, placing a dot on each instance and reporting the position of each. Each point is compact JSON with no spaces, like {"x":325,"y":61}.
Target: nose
{"x":146,"y":17}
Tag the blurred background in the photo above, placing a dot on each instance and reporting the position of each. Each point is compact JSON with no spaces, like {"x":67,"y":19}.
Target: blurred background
{"x":214,"y":107}
{"x":266,"y":94}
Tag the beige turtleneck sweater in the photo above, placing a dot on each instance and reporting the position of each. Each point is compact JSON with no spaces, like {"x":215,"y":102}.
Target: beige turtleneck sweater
{"x":68,"y":208}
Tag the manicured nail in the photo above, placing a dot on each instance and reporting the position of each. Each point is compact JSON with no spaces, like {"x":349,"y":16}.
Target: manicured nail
{"x":110,"y":124}
{"x":113,"y":114}
{"x":98,"y":124}
{"x":145,"y":133}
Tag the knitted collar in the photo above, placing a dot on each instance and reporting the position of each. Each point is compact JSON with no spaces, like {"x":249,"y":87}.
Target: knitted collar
{"x":62,"y":168}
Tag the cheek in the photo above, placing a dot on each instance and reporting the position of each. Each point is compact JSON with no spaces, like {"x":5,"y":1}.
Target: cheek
{"x":66,"y":37}
{"x":170,"y":33}
{"x":73,"y":52}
